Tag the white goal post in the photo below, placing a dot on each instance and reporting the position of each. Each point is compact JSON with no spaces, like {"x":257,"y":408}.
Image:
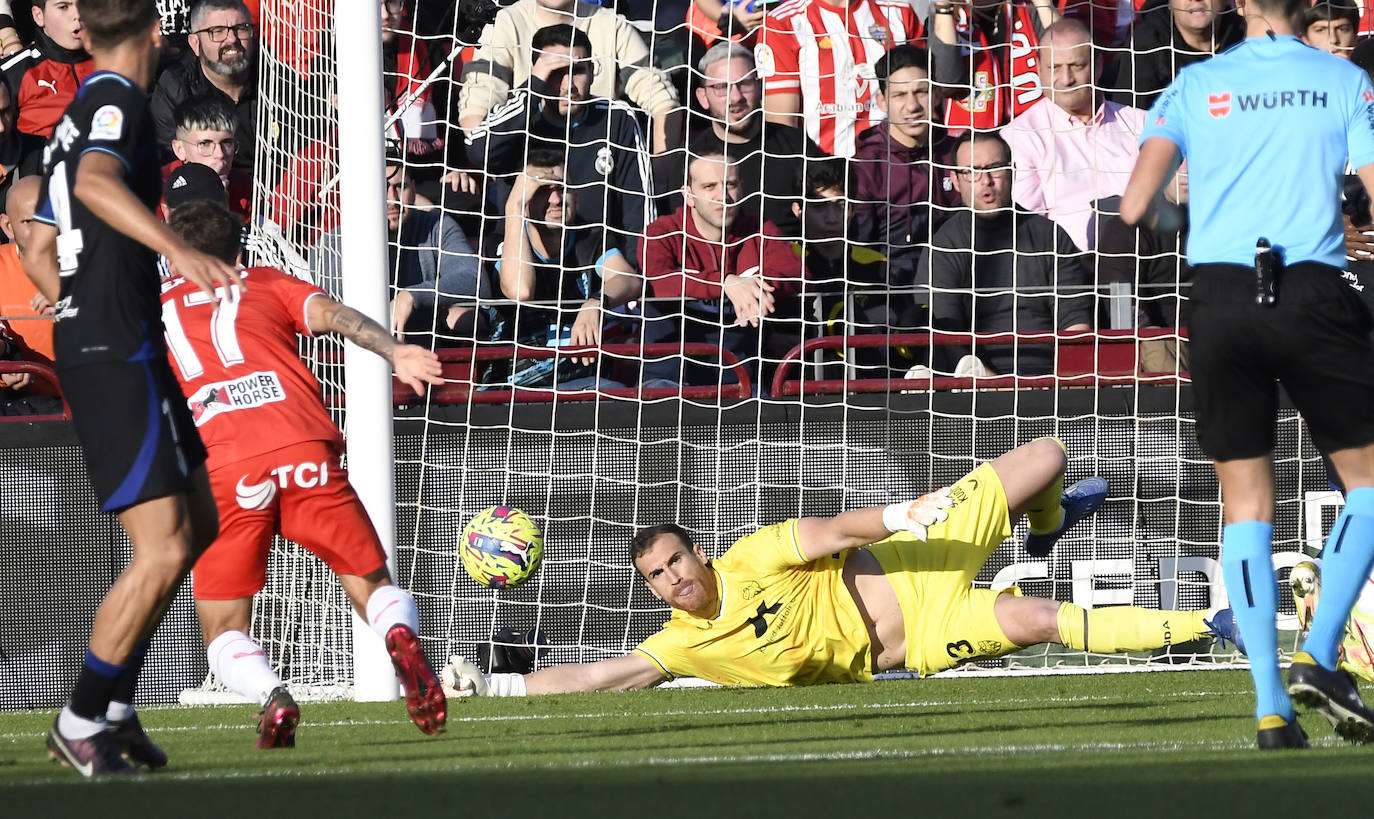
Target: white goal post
{"x":362,"y":220}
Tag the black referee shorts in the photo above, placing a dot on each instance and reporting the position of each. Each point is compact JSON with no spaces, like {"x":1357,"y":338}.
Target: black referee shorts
{"x":1315,"y":342}
{"x":136,"y":433}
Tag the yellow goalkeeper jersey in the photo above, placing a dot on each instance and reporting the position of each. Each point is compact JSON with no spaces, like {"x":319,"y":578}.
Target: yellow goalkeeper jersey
{"x":783,"y":620}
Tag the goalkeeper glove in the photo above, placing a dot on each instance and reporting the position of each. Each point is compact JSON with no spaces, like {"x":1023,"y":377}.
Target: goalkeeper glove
{"x":915,"y":516}
{"x":463,"y":679}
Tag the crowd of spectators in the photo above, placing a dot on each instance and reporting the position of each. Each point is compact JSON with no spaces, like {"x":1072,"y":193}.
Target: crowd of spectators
{"x":744,"y":174}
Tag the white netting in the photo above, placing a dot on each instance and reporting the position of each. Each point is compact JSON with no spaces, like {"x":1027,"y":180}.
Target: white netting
{"x":592,"y":468}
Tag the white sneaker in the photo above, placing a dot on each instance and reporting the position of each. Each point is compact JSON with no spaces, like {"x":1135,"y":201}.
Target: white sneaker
{"x":920,"y":372}
{"x":970,"y":366}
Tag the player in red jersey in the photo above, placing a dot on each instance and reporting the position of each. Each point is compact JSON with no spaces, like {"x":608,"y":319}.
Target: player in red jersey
{"x":274,"y":465}
{"x":816,"y":61}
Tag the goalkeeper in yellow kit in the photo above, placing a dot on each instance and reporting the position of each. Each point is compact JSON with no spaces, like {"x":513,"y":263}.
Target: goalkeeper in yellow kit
{"x":817,"y":600}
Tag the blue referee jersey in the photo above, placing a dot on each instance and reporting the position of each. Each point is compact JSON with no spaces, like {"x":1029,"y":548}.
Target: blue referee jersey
{"x":1266,"y":128}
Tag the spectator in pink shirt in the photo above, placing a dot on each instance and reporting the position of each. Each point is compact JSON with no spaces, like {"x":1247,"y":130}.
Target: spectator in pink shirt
{"x":737,"y":279}
{"x":1073,"y":147}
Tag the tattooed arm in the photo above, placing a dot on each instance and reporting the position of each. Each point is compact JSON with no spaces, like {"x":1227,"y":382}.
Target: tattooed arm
{"x":414,"y":365}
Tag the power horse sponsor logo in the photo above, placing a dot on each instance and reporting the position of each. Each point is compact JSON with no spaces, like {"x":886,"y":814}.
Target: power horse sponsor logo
{"x":245,"y":392}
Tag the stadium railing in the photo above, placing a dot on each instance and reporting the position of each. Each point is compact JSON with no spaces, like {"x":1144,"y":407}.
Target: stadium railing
{"x":1082,"y":359}
{"x":463,"y":388}
{"x":46,"y":376}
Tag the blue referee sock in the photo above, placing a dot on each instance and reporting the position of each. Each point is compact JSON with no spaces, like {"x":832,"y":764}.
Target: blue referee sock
{"x":1346,"y":560}
{"x":1247,"y":566}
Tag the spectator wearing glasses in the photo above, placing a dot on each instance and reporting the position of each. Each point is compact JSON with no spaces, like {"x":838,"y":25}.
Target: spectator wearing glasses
{"x":1027,"y":279}
{"x":205,"y":135}
{"x":43,"y":78}
{"x":765,"y":153}
{"x":223,"y":63}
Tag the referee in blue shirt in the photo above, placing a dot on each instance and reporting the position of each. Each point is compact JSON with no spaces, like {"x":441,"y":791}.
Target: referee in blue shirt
{"x":1266,"y":128}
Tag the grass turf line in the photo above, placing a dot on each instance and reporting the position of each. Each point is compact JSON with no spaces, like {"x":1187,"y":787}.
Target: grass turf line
{"x":1102,"y":746}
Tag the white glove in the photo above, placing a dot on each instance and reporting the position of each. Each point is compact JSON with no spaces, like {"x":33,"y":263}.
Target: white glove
{"x":461,"y":678}
{"x":915,"y":516}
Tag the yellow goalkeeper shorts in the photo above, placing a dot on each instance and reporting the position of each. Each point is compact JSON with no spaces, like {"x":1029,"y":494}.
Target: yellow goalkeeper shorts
{"x":947,"y":621}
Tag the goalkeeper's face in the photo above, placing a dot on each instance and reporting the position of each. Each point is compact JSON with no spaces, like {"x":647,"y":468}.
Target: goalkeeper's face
{"x":677,"y":574}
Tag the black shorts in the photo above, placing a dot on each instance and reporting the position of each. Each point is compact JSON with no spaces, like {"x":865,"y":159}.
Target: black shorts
{"x":136,"y":433}
{"x":1315,"y":342}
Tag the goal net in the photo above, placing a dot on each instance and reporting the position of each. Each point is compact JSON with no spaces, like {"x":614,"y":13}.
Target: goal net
{"x":840,"y":423}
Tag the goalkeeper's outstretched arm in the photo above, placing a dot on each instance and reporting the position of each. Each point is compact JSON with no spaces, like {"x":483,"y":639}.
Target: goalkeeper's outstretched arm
{"x":818,"y":537}
{"x":463,"y":679}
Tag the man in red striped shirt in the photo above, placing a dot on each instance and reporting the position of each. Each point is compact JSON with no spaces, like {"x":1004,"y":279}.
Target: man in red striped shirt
{"x":816,"y":61}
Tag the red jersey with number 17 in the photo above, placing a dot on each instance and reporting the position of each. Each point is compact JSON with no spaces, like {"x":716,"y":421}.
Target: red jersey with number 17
{"x":239,"y":366}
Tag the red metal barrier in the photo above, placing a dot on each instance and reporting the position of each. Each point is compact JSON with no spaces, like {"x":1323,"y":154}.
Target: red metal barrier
{"x":461,"y":389}
{"x":48,"y":377}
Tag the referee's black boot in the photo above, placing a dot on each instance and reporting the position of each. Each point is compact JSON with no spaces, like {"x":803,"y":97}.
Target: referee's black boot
{"x":1334,"y":695}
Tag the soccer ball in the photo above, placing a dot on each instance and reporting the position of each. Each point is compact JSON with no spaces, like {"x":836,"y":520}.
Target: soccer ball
{"x":501,"y":547}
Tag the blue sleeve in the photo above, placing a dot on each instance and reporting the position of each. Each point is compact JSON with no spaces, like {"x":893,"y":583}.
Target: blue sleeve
{"x":42,"y":212}
{"x":601,"y":267}
{"x":1359,"y":126}
{"x":1168,"y":116}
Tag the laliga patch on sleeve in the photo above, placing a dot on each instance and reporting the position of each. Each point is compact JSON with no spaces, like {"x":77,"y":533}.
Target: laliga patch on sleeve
{"x":108,"y":123}
{"x":763,"y":57}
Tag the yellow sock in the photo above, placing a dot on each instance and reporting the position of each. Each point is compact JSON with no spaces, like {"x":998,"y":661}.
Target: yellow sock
{"x":1127,"y":628}
{"x":1045,"y":514}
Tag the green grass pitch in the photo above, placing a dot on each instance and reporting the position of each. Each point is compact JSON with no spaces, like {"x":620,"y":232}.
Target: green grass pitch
{"x":1109,"y":745}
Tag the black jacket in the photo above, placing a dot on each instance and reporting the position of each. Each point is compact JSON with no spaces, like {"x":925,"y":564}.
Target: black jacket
{"x":1158,"y":52}
{"x":1028,"y":279}
{"x":607,"y":158}
{"x":186,"y":79}
{"x":1153,"y":264}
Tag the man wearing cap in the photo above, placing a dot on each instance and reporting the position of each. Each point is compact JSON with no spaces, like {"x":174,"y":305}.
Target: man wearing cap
{"x":191,"y":182}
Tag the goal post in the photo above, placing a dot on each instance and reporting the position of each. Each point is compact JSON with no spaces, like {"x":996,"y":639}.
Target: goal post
{"x":362,"y":222}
